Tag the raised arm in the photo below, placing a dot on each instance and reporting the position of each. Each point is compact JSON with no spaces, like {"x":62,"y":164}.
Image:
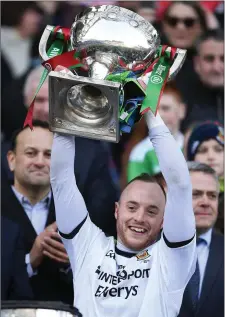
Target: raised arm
{"x":70,"y":207}
{"x":179,"y":222}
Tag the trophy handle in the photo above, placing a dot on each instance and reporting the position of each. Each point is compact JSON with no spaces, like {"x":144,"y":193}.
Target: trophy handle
{"x":178,"y":63}
{"x":44,"y":40}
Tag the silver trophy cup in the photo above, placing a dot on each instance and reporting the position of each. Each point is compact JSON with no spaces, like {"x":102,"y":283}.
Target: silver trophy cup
{"x":89,"y":106}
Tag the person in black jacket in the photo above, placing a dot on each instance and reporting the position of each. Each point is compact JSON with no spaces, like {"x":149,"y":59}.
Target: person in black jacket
{"x":29,"y":202}
{"x":204,"y":96}
{"x":14,"y":279}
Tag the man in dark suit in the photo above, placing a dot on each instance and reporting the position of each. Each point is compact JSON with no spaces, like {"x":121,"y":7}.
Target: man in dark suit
{"x":204,"y":294}
{"x":14,"y":279}
{"x":29,"y":202}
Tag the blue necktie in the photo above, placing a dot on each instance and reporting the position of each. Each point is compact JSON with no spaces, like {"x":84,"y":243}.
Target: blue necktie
{"x":193,"y":285}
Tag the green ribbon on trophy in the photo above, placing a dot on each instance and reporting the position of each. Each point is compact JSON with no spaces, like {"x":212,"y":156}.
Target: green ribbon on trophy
{"x":57,"y":57}
{"x":144,"y":98}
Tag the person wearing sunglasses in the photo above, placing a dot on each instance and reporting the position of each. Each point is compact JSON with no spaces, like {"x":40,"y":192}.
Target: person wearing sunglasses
{"x":183,"y":23}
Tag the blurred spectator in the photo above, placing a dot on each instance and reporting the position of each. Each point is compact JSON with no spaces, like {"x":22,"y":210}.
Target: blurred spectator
{"x":206,"y":145}
{"x":143,"y":157}
{"x":204,"y":96}
{"x":14,"y":279}
{"x":20,"y":22}
{"x":209,"y":62}
{"x":183,"y":22}
{"x":204,"y":294}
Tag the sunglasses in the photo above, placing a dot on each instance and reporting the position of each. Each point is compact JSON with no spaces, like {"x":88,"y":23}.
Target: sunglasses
{"x":173,"y":21}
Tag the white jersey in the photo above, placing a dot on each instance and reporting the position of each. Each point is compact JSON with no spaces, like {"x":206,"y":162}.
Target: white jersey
{"x":109,"y":282}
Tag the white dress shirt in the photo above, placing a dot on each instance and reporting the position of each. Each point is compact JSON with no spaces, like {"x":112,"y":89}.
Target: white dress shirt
{"x":37,"y":214}
{"x":203,"y":254}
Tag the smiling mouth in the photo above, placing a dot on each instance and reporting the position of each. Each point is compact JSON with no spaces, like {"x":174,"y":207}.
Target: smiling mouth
{"x":202,"y":214}
{"x":39,"y":172}
{"x":138,"y":230}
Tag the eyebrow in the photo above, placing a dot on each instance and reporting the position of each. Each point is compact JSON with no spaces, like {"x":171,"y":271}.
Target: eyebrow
{"x":132,"y":202}
{"x":35,"y":149}
{"x":137,"y":204}
{"x":31,"y":148}
{"x":153,"y":207}
{"x":198,"y":191}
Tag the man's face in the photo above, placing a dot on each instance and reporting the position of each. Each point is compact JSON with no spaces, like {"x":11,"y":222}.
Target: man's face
{"x":41,"y":105}
{"x":205,"y":191}
{"x":171,"y":111}
{"x":211,"y":153}
{"x":139,"y":214}
{"x":209,"y":63}
{"x":30,"y":161}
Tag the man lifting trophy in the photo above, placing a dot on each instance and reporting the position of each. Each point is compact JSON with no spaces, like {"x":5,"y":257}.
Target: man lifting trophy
{"x":116,"y":71}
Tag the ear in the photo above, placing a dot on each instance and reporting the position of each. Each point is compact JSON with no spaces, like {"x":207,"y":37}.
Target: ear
{"x":116,"y":210}
{"x":182,"y":111}
{"x":11,"y":158}
{"x":196,"y":64}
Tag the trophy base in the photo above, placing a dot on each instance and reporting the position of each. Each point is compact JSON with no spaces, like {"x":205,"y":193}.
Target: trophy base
{"x":84,"y":113}
{"x":103,"y":134}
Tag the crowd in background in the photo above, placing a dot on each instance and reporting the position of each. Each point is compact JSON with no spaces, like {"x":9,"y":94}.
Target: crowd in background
{"x":192,"y":106}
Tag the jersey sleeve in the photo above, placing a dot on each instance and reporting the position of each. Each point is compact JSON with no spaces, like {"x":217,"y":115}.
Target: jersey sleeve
{"x":177,"y":247}
{"x":74,"y":225}
{"x":179,"y":221}
{"x":177,"y":263}
{"x":79,"y":243}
